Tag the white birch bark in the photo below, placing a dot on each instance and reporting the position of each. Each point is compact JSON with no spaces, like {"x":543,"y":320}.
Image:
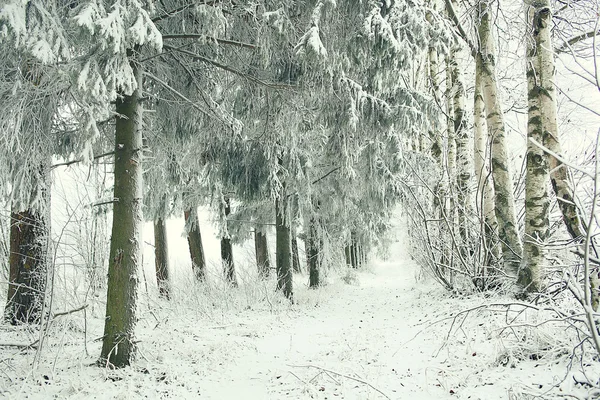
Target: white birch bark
{"x":536,"y":182}
{"x":464,"y":154}
{"x":503,"y":183}
{"x":485,"y":188}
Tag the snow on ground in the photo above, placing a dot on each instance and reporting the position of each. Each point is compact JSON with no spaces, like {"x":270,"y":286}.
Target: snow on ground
{"x":373,"y":334}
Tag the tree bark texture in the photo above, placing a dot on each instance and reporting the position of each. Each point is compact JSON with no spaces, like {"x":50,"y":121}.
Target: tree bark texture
{"x":283,"y":251}
{"x":434,"y":134}
{"x":118,"y":346}
{"x":262,"y":254}
{"x":485,"y":189}
{"x":227,"y":249}
{"x":314,"y":247}
{"x":195,"y":243}
{"x":295,"y":253}
{"x":512,"y":248}
{"x":27,"y":267}
{"x":464,"y":156}
{"x":161,"y":257}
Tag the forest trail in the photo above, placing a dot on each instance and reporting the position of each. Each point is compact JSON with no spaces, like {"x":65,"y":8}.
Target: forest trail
{"x":363,"y":330}
{"x":383,"y":335}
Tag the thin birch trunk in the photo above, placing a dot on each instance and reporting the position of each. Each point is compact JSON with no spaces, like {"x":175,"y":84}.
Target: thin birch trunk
{"x":464,"y":156}
{"x":485,"y":189}
{"x":508,"y":233}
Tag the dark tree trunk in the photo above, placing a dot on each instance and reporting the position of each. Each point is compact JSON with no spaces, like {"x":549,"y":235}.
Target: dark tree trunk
{"x":348,"y":254}
{"x":195,"y":243}
{"x":118,"y":345}
{"x":262,"y":254}
{"x":27,"y":267}
{"x":353,"y":251}
{"x":227,"y":250}
{"x":161,"y":257}
{"x":283,"y":247}
{"x":313,"y":250}
{"x":295,"y":256}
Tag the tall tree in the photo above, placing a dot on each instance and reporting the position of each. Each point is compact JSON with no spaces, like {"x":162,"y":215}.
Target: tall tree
{"x":118,"y":345}
{"x":512,"y":248}
{"x":490,"y":252}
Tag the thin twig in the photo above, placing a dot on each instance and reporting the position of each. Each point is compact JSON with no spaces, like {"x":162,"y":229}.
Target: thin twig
{"x":342,"y":375}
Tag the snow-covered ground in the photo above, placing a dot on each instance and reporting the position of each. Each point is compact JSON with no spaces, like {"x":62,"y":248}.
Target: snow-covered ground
{"x":374,"y":334}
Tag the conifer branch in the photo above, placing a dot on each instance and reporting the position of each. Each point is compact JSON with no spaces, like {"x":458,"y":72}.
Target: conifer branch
{"x":67,"y":163}
{"x":234,"y":71}
{"x":201,"y":36}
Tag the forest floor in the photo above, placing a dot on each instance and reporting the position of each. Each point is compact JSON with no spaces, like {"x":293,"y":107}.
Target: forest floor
{"x":374,"y":334}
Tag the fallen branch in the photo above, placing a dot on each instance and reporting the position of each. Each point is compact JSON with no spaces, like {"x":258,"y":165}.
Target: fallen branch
{"x":342,"y":375}
{"x":60,"y":314}
{"x":32,"y":345}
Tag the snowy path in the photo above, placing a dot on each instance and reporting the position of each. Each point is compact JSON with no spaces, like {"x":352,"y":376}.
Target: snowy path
{"x":361,"y":331}
{"x":370,"y":340}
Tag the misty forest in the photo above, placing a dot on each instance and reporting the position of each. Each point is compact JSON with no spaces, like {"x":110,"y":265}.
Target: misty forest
{"x":318,"y":199}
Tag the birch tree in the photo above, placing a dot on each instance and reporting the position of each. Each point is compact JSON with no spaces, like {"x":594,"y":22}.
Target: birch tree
{"x":541,"y":122}
{"x":500,"y":161}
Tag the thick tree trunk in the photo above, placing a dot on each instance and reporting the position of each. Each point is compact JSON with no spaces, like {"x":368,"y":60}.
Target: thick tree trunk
{"x":118,"y":345}
{"x":485,"y":190}
{"x":27,"y":267}
{"x":195,"y":243}
{"x":512,"y":249}
{"x":313,"y":251}
{"x":262,"y":254}
{"x":227,"y":249}
{"x":283,"y":251}
{"x":161,"y":257}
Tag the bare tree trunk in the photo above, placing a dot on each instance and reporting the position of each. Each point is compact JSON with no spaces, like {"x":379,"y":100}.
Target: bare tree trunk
{"x":485,"y":190}
{"x":348,"y":254}
{"x":227,"y":249}
{"x":262,"y":254}
{"x":195,"y":243}
{"x":512,"y":249}
{"x":537,"y":201}
{"x":161,"y":257}
{"x":464,"y":156}
{"x":27,"y":267}
{"x":118,"y":346}
{"x":283,"y":249}
{"x":295,"y":253}
{"x":314,"y":246}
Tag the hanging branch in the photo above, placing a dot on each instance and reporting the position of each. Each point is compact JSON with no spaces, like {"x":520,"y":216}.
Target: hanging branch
{"x":232,"y":70}
{"x":183,"y":8}
{"x":176,"y":92}
{"x":461,"y":31}
{"x":201,"y":36}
